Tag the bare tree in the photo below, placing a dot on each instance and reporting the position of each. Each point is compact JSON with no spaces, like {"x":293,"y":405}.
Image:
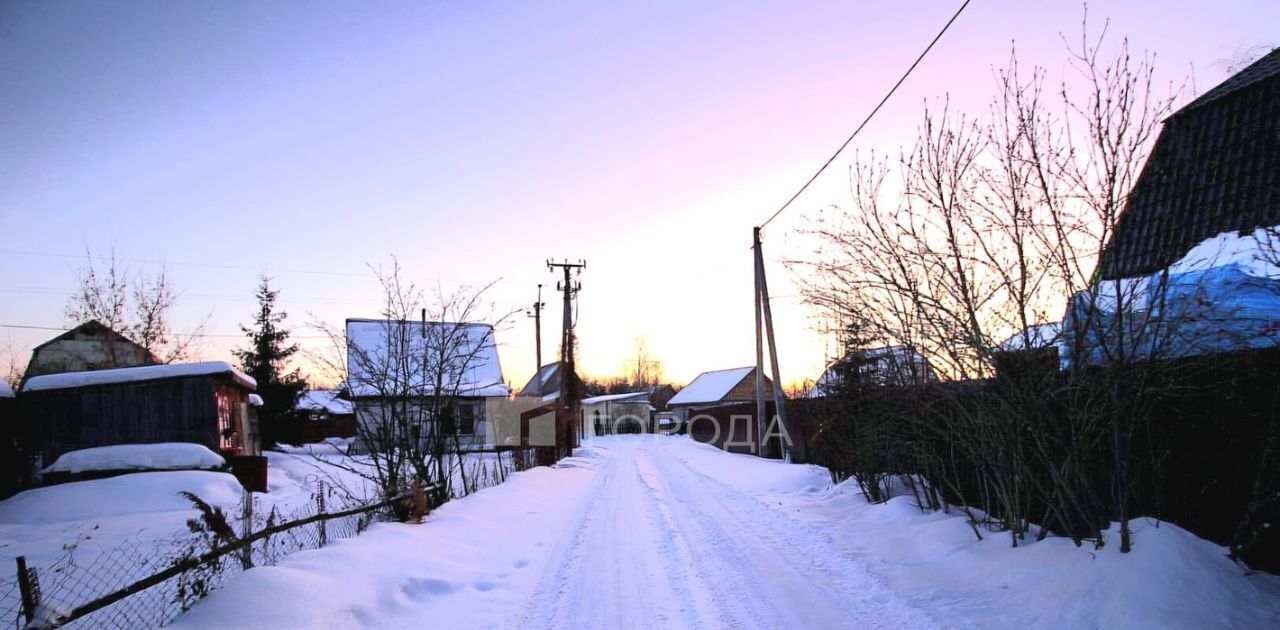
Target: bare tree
{"x":409,"y":374}
{"x":985,"y":228}
{"x":136,"y":305}
{"x":643,"y":370}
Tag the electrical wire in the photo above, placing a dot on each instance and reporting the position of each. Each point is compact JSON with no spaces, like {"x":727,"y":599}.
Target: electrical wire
{"x":869,"y":116}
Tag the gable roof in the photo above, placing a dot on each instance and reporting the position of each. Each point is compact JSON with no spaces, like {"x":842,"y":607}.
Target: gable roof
{"x":711,"y":386}
{"x":1265,"y":68}
{"x":401,"y":357}
{"x":1214,"y":168}
{"x":92,"y":327}
{"x":325,"y":400}
{"x":68,"y":380}
{"x":545,"y":382}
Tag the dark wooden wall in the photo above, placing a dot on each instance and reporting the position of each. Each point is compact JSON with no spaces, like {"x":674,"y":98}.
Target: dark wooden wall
{"x":169,"y":410}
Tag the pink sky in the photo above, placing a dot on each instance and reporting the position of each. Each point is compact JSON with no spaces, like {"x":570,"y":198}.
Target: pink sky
{"x":476,"y":142}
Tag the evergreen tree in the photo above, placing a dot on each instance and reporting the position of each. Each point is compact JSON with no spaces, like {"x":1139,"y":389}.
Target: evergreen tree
{"x":266,"y":359}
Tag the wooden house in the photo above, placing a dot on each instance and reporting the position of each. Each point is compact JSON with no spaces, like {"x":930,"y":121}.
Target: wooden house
{"x":323,"y":414}
{"x":89,"y":346}
{"x":716,"y":388}
{"x":14,"y":467}
{"x":1214,"y":168}
{"x":393,"y":365}
{"x":886,"y":366}
{"x":204,"y":403}
{"x":1192,"y":267}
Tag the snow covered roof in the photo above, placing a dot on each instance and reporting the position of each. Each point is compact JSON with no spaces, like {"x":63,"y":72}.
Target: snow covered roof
{"x":545,"y":382}
{"x":398,"y":357}
{"x":162,"y":456}
{"x":710,"y":386}
{"x":255,"y":400}
{"x":67,"y":380}
{"x":1040,"y":335}
{"x":325,"y":400}
{"x":635,"y":396}
{"x":5,"y":390}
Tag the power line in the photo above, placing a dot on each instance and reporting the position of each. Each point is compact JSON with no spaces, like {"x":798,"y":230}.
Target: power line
{"x":201,"y":335}
{"x":262,"y":269}
{"x":869,"y":116}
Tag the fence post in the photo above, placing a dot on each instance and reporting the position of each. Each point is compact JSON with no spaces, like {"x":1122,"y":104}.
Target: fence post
{"x":29,"y":585}
{"x":246,"y":528}
{"x":324,"y":532}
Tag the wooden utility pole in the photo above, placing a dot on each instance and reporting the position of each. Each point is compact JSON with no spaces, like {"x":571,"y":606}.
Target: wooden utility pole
{"x":765,"y":312}
{"x":761,"y":425}
{"x":536,"y":314}
{"x":568,"y":384}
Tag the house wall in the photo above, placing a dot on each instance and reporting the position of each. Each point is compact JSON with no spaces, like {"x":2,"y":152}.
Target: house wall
{"x":370,"y":412}
{"x":86,"y":350}
{"x":169,"y":410}
{"x":746,"y":390}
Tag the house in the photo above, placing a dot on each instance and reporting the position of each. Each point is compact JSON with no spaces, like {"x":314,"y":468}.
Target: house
{"x":394,"y":362}
{"x":715,"y":388}
{"x":13,"y":465}
{"x":324,"y":414}
{"x":89,"y":346}
{"x":1214,"y":168}
{"x":616,"y":413}
{"x":204,"y":403}
{"x":887,"y":366}
{"x":1194,"y":260}
{"x":546,"y":383}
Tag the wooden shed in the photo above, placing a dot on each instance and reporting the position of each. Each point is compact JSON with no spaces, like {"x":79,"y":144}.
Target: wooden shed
{"x":204,"y":403}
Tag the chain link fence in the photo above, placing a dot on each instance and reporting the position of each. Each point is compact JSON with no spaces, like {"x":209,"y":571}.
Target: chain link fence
{"x":144,"y":584}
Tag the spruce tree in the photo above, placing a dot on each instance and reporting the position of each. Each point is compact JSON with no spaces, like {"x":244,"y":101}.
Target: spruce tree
{"x":265,"y":359}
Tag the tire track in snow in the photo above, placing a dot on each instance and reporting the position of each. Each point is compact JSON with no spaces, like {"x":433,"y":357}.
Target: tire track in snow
{"x":656,"y":544}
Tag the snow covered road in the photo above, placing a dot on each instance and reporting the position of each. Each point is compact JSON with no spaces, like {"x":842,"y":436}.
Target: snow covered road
{"x":662,"y":532}
{"x":630,"y":535}
{"x":659,"y":545}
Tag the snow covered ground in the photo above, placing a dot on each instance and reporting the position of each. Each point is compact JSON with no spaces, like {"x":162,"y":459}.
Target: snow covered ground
{"x":646,"y":531}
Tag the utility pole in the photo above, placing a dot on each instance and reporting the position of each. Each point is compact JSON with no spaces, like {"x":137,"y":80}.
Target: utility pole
{"x":568,"y":384}
{"x":536,"y":314}
{"x":764,"y":314}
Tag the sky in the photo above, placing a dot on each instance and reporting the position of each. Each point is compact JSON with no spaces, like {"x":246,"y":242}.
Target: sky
{"x":473,"y":141}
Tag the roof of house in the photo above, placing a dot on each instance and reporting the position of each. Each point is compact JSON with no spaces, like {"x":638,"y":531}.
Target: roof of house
{"x":401,"y":357}
{"x":94,"y":326}
{"x":627,"y":397}
{"x":1040,"y":336}
{"x":325,"y":400}
{"x":5,"y":390}
{"x":67,"y":380}
{"x":882,"y":358}
{"x":1214,"y":168}
{"x":710,"y":386}
{"x":545,"y":382}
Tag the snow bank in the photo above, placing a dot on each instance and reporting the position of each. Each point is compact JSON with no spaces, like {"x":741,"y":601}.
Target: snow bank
{"x":161,"y":456}
{"x":1171,"y":578}
{"x":136,"y":374}
{"x":472,"y":559}
{"x":126,"y":495}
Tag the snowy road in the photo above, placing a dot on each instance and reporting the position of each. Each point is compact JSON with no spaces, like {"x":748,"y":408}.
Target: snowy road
{"x":656,"y":544}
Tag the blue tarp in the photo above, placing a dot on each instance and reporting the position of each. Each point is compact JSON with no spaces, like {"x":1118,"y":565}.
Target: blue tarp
{"x":1173,"y":315}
